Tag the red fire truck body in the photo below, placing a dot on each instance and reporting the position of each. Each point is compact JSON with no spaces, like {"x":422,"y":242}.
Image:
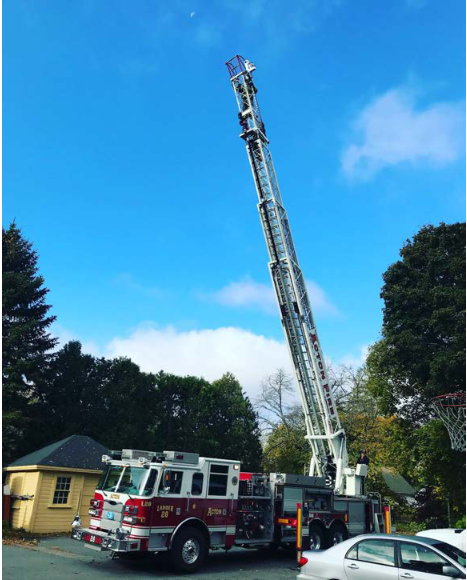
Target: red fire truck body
{"x":186,"y":504}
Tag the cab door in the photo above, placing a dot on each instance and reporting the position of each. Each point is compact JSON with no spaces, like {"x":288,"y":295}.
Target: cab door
{"x":170,"y":507}
{"x":196,"y":495}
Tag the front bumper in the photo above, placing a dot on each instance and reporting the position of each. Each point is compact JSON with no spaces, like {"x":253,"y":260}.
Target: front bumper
{"x":98,"y":540}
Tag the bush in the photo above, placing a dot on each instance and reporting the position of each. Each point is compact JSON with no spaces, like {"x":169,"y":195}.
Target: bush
{"x":410,"y":528}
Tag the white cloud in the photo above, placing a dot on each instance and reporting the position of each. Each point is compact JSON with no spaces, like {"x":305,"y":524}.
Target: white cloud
{"x":356,"y":361}
{"x":393,"y":131}
{"x":250,"y":294}
{"x":247,"y":293}
{"x":64,"y":335}
{"x":319,"y":301}
{"x":206,"y":353}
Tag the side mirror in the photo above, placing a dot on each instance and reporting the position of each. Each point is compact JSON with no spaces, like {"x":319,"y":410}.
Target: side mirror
{"x":451,"y":571}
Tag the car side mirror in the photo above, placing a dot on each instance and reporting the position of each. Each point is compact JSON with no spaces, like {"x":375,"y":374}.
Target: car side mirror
{"x":451,"y":571}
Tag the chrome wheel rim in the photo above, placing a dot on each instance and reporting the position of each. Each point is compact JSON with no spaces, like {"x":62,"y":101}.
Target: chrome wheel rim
{"x":315,"y":542}
{"x":190,"y":551}
{"x":337,"y":538}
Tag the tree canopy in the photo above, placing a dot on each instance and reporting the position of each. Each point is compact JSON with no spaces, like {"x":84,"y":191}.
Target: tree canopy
{"x":27,"y":343}
{"x":422,"y":350}
{"x":49,"y":395}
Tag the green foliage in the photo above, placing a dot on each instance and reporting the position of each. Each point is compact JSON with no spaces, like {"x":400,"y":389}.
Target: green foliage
{"x":213,"y":419}
{"x":410,"y":528}
{"x":422,"y":352}
{"x":422,"y":454}
{"x":287,"y":450}
{"x":47,"y":398}
{"x":422,"y":355}
{"x":230,"y":426}
{"x":26,"y":341}
{"x":460,"y":523}
{"x":120,"y":406}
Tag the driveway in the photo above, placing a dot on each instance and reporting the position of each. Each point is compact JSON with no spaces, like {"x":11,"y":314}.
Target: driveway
{"x":58,"y":558}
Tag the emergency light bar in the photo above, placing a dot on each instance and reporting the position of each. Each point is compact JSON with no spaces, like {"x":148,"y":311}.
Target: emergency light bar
{"x":181,"y":457}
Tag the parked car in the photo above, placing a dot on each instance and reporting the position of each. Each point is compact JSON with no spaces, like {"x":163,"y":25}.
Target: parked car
{"x":453,"y":536}
{"x":383,"y":557}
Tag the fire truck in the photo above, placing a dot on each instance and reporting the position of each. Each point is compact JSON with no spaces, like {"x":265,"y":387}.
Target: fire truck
{"x":186,"y":505}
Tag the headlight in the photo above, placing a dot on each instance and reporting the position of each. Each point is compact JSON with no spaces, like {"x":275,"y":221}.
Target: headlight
{"x":131,"y":509}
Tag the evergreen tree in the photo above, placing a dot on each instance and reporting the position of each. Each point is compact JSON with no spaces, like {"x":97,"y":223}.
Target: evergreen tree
{"x":27,"y":343}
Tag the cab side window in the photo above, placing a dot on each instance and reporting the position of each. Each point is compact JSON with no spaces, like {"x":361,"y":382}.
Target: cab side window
{"x":151,"y":482}
{"x":197,"y":484}
{"x":171,"y":482}
{"x":218,"y":475}
{"x":421,"y":559}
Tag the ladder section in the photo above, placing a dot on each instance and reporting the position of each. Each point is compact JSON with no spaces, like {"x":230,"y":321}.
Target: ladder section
{"x":324,"y":431}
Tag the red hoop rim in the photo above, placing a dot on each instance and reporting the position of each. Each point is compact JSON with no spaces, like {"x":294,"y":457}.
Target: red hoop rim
{"x":439,"y":400}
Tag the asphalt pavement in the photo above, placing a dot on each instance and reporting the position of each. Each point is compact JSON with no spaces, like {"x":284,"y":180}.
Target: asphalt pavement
{"x":62,"y":558}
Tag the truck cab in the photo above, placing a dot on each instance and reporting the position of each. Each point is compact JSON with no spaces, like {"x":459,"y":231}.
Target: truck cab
{"x":146,"y":501}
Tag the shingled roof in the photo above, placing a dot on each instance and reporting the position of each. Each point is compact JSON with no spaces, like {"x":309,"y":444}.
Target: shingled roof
{"x":396,"y":482}
{"x":78,"y":451}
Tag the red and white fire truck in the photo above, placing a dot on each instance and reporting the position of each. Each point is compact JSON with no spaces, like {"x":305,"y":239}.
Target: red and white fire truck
{"x":186,"y":505}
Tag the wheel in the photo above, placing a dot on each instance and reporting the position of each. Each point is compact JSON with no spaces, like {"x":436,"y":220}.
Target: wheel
{"x":316,"y":537}
{"x":189,"y":550}
{"x":336,"y":534}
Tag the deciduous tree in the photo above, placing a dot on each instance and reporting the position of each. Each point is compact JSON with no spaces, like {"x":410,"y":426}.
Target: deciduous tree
{"x":422,"y":350}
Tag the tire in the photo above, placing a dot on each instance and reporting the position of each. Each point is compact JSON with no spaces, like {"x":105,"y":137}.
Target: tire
{"x":336,"y":534}
{"x":189,"y":550}
{"x":274,"y":547}
{"x":316,"y":537}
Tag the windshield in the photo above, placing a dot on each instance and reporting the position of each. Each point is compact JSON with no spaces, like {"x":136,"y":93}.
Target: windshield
{"x":126,"y":479}
{"x":453,"y":552}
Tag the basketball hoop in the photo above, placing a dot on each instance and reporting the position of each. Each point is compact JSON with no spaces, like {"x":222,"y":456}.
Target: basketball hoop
{"x":451,"y":410}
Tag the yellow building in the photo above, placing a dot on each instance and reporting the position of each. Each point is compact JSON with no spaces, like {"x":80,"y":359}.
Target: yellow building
{"x":50,"y":486}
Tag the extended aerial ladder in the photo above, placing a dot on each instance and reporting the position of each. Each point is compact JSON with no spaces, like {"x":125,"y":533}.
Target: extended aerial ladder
{"x":324,"y":430}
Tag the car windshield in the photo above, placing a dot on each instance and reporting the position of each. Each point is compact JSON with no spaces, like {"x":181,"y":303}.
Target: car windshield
{"x":123,"y":479}
{"x":451,"y":551}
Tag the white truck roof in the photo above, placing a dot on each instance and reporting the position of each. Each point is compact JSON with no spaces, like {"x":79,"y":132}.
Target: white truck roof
{"x":454,"y":537}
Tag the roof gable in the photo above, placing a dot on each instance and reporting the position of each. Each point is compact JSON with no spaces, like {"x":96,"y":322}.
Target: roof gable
{"x":396,"y":482}
{"x":76,"y":451}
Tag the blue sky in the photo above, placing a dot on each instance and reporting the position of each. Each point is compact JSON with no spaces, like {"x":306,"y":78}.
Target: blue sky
{"x":122,"y":164}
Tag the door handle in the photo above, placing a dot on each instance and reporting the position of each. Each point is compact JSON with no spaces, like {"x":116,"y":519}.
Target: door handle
{"x":406,"y":575}
{"x":353,"y":566}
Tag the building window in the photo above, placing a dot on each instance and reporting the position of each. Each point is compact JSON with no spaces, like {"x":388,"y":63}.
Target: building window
{"x":62,"y":489}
